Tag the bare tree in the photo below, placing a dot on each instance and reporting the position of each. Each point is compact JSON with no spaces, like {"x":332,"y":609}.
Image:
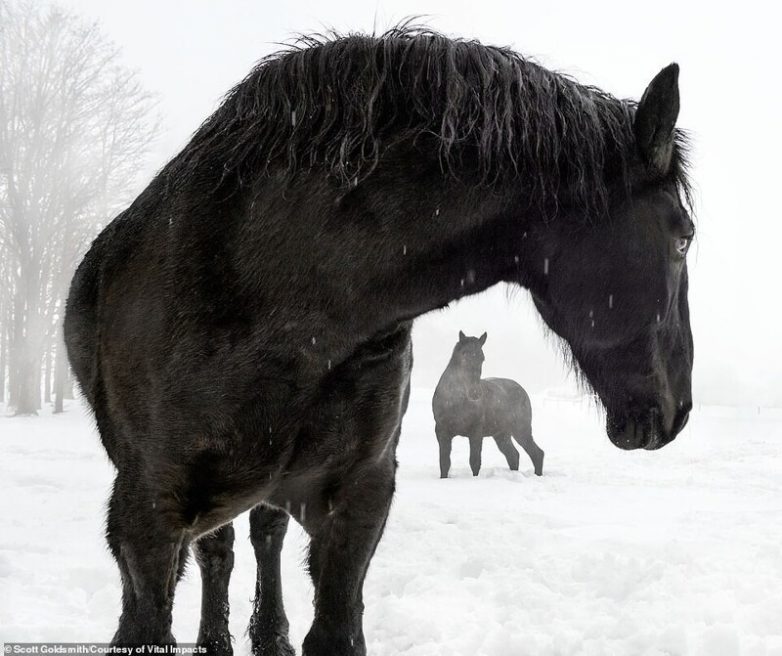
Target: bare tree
{"x":75,"y":126}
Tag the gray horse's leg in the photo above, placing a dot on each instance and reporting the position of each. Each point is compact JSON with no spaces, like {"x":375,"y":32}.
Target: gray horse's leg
{"x":215,"y":557}
{"x":476,"y":444}
{"x":269,"y":624}
{"x":444,"y":440}
{"x":505,"y":445}
{"x":524,"y":437}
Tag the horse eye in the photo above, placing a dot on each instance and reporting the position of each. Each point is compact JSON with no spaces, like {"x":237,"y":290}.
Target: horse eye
{"x":682,"y":244}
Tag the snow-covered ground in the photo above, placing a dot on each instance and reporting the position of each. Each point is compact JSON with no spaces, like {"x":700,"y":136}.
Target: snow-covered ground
{"x":673,"y":552}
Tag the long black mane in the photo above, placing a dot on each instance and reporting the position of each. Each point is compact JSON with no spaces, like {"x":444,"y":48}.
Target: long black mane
{"x":340,"y":102}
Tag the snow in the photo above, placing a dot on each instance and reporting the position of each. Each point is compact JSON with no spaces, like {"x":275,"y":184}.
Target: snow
{"x":668,"y":553}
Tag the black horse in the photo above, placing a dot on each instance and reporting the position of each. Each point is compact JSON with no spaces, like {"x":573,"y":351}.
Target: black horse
{"x":466,"y":404}
{"x":242,"y":330}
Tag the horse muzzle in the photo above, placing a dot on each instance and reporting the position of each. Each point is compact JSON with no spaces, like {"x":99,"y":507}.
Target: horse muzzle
{"x":648,"y":432}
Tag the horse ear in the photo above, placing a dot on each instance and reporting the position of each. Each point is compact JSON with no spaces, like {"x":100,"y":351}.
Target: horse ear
{"x":482,"y":339}
{"x":461,"y":336}
{"x":655,"y":119}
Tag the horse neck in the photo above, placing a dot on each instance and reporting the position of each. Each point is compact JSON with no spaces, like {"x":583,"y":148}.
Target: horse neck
{"x":434,"y":242}
{"x":470,"y":241}
{"x":468,"y":377}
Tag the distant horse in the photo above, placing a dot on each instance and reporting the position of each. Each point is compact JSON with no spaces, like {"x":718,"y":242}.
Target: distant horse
{"x":465,"y":404}
{"x":242,"y":330}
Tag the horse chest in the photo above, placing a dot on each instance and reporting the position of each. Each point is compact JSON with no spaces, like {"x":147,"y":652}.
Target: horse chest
{"x":461,"y":413}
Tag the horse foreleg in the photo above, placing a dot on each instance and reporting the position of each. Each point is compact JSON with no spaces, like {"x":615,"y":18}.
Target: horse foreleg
{"x":507,"y":449}
{"x":535,"y":453}
{"x":215,"y":556}
{"x":148,"y":553}
{"x":340,"y":550}
{"x":476,"y":444}
{"x":444,"y":440}
{"x":269,"y":624}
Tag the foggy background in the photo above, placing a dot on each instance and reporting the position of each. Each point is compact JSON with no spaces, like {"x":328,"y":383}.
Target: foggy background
{"x":676,"y":551}
{"x":188,"y":54}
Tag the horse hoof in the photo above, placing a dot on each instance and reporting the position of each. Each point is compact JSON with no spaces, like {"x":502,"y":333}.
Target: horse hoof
{"x":218,"y":646}
{"x":278,"y":646}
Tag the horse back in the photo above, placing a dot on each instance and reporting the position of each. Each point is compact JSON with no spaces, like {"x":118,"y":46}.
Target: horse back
{"x":507,"y":393}
{"x":507,"y":386}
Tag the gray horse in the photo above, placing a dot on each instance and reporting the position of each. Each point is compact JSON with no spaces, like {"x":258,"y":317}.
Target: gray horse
{"x":465,"y":404}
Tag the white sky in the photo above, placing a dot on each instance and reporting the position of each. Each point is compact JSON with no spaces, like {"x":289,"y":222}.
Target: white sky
{"x":191,"y":52}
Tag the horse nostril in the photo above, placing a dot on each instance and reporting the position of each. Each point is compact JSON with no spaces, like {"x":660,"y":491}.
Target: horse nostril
{"x":628,"y":435}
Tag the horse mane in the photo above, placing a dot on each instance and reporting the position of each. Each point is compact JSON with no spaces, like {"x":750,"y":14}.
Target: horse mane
{"x":340,"y":102}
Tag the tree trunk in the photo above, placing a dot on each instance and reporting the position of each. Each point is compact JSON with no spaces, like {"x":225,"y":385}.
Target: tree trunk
{"x":3,"y":359}
{"x":26,"y":367}
{"x":38,"y":372}
{"x":28,"y":392}
{"x":68,"y":394}
{"x":60,"y":374}
{"x":47,"y":377}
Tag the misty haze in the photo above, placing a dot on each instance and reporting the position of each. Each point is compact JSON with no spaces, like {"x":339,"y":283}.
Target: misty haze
{"x":612,"y":545}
